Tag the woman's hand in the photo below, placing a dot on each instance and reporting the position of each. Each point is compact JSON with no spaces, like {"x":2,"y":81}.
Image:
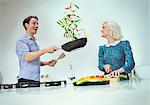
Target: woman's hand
{"x":107,"y":68}
{"x":116,"y":73}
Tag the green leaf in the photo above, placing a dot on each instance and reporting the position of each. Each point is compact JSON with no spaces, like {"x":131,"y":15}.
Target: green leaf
{"x":76,"y":6}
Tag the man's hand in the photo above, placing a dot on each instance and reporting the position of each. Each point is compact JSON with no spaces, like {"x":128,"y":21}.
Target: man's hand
{"x":107,"y":68}
{"x":52,"y":63}
{"x":51,"y":49}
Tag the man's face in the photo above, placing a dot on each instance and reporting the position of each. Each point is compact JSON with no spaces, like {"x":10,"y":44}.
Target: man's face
{"x":32,"y":26}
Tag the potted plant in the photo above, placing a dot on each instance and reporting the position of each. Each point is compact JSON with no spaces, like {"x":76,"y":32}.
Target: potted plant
{"x":69,"y":22}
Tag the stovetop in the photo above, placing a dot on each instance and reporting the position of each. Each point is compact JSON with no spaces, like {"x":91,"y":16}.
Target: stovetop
{"x":27,"y":85}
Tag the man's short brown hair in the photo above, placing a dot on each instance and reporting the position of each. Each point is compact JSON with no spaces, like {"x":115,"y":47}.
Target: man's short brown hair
{"x":27,"y":19}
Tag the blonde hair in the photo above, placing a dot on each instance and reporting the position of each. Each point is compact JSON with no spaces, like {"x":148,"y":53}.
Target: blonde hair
{"x":115,"y":29}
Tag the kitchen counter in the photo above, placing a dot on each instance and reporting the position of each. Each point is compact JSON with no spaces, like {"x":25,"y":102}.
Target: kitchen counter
{"x":129,"y":92}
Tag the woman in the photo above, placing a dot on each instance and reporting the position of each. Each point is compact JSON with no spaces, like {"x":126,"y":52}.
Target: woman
{"x":116,"y":56}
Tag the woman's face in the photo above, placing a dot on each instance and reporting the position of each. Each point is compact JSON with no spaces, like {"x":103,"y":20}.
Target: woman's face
{"x":105,"y":30}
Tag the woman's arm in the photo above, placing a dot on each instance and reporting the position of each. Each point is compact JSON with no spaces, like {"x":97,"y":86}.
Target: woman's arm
{"x":129,"y":60}
{"x":100,"y":59}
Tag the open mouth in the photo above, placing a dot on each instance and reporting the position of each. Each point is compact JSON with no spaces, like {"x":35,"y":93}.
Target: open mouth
{"x":35,"y":29}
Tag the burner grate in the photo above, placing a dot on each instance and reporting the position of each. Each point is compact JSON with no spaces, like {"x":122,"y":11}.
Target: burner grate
{"x":28,"y":85}
{"x":55,"y":83}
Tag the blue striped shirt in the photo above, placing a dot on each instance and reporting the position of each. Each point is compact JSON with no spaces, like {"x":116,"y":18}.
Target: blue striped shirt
{"x":118,"y":56}
{"x":28,"y":70}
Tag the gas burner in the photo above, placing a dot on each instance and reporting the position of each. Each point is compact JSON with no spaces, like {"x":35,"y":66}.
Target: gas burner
{"x":55,"y":83}
{"x":7,"y":86}
{"x":28,"y":85}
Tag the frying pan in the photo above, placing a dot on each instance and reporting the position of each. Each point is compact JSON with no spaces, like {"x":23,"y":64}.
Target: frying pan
{"x":72,"y":45}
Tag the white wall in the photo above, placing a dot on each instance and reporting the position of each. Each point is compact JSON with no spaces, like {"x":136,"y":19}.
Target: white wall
{"x":0,"y":42}
{"x":131,"y":15}
{"x":148,"y":29}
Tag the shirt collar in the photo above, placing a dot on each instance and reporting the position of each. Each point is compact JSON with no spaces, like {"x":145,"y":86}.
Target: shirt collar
{"x":113,"y":44}
{"x":30,"y":37}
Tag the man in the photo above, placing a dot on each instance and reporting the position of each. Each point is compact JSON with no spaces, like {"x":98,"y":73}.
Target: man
{"x":28,"y":53}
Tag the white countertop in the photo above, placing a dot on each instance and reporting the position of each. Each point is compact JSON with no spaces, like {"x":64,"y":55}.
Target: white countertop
{"x":132,"y":92}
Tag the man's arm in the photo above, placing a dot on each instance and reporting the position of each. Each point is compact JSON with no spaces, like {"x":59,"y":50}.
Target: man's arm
{"x":30,"y":56}
{"x":49,"y":63}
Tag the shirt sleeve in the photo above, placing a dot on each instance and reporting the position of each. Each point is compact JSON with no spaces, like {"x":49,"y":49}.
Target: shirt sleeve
{"x":22,"y":48}
{"x":129,"y":60}
{"x":100,"y":58}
